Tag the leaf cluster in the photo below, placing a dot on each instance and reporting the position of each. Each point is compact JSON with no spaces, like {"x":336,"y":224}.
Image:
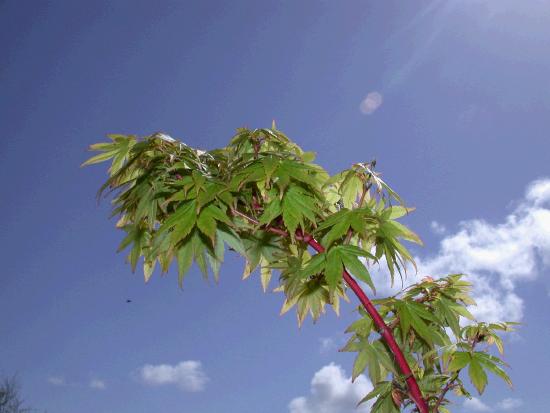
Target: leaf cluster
{"x":183,"y":205}
{"x":440,"y":339}
{"x":263,"y":197}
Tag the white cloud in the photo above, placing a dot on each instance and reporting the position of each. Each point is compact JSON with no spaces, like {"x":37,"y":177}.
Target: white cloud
{"x":495,"y":257}
{"x":97,"y":384}
{"x":538,"y":192}
{"x":332,"y":392}
{"x":187,"y":375}
{"x":509,"y":404}
{"x":476,"y":404}
{"x":57,"y":381}
{"x":437,"y":228}
{"x":371,"y":103}
{"x":327,"y":345}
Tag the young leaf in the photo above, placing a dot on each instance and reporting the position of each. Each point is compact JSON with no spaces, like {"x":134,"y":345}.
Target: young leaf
{"x":265,"y":273}
{"x":379,"y":389}
{"x":360,"y":363}
{"x":185,"y":259}
{"x":460,"y":359}
{"x":477,"y":375}
{"x":297,"y":205}
{"x":334,"y":268}
{"x":491,"y":363}
{"x":351,"y":261}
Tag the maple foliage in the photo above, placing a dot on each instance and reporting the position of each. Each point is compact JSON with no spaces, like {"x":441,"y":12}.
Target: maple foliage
{"x":262,"y":196}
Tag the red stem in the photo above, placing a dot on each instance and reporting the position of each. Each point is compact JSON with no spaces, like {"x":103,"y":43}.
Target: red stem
{"x":383,"y":329}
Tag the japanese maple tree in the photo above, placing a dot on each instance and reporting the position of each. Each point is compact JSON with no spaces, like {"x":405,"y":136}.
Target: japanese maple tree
{"x":263,"y":197}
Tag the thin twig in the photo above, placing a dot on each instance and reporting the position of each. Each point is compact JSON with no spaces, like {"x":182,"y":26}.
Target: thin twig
{"x":448,"y":387}
{"x":254,"y":221}
{"x":366,"y":189}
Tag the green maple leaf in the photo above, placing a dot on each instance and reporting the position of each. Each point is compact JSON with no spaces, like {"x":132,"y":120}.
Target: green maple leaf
{"x":298,"y":206}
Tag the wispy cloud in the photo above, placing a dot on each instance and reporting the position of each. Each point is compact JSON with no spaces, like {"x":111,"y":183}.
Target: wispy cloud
{"x":437,"y":228}
{"x":495,"y":257}
{"x":327,"y":344}
{"x":371,"y":102}
{"x":57,"y":381}
{"x":97,"y":384}
{"x":60,"y":381}
{"x":332,"y":392}
{"x":476,"y":404}
{"x":509,"y":404}
{"x":187,"y":375}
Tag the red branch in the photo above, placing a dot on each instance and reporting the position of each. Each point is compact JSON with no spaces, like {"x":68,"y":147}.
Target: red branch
{"x":381,"y":326}
{"x":383,"y":329}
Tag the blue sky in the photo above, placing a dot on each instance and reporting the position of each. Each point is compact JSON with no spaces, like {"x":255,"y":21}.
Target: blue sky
{"x":451,"y":98}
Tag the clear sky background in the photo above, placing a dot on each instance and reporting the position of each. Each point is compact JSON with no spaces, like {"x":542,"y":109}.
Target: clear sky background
{"x":451,"y":97}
